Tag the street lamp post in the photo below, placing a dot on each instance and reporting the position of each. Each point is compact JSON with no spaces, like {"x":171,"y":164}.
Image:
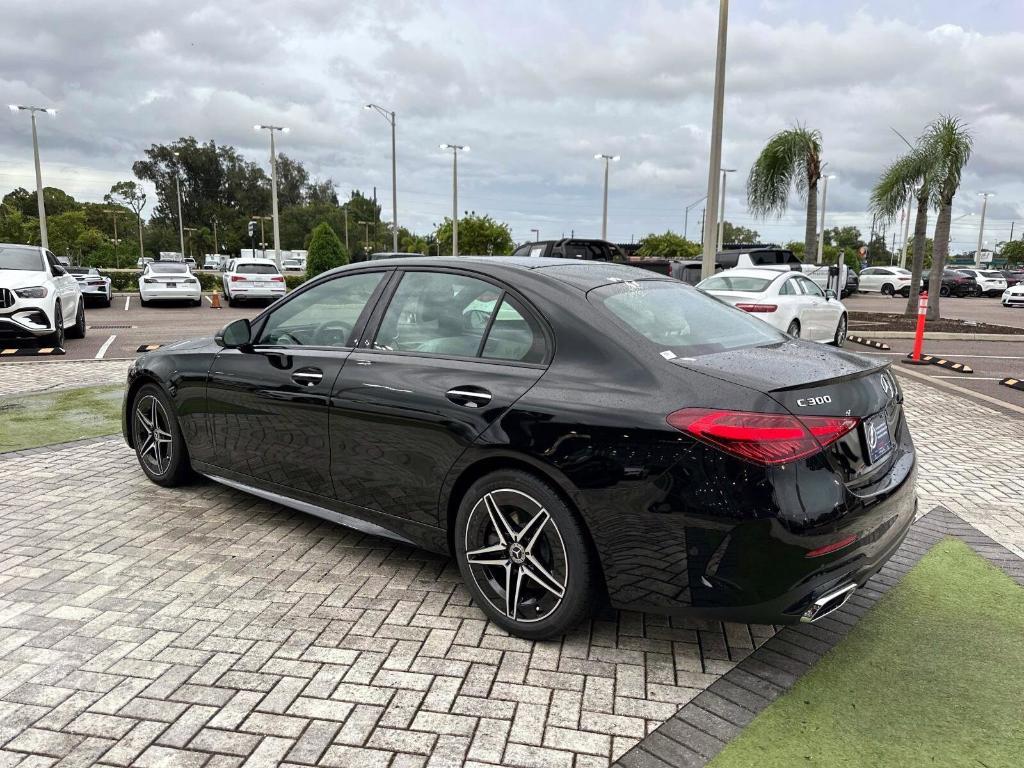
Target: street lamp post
{"x":608,"y":159}
{"x":981,"y":226}
{"x":715,"y":158}
{"x":821,"y":225}
{"x":273,"y":187}
{"x":390,"y":117}
{"x":536,"y":234}
{"x":181,"y":221}
{"x":366,"y":236}
{"x":44,"y":239}
{"x":721,"y":209}
{"x":455,"y":148}
{"x":190,"y":230}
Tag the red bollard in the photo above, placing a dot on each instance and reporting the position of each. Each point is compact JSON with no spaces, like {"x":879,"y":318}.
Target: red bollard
{"x":922,"y":310}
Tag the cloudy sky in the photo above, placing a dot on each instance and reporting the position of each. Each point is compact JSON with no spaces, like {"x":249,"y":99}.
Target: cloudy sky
{"x":535,"y":89}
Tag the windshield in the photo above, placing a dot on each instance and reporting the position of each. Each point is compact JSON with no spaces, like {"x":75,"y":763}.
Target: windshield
{"x":736,"y":283}
{"x":168,"y":268}
{"x":21,"y":257}
{"x":79,"y":271}
{"x":992,"y":273}
{"x":680,"y":319}
{"x":256,"y":269}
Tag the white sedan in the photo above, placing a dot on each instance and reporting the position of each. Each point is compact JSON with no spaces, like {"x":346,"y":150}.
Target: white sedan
{"x":169,"y":281}
{"x":990,"y":282}
{"x":1013,"y":296}
{"x":252,"y":279}
{"x":787,"y":300}
{"x":886,"y":280}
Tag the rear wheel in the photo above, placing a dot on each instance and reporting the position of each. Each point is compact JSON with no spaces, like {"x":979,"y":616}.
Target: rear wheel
{"x":978,"y":292}
{"x":159,"y":445}
{"x":944,"y":291}
{"x":887,"y":289}
{"x":77,"y":331}
{"x":840,"y":337}
{"x":794,"y":329}
{"x":523,"y":555}
{"x":56,"y":339}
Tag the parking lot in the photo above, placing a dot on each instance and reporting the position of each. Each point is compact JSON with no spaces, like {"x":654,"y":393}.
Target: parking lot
{"x":978,"y":310}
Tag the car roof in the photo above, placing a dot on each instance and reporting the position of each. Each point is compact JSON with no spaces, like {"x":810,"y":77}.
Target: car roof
{"x":769,"y":272}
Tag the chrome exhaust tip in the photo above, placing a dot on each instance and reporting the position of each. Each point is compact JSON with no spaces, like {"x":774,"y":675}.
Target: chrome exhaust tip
{"x":825,"y":604}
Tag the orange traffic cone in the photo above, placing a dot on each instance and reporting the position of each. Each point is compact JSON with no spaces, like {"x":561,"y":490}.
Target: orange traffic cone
{"x":215,"y":300}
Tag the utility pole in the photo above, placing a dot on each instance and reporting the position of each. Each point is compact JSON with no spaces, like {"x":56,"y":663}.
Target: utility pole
{"x":272,"y":129}
{"x":981,"y":226}
{"x":608,"y":159}
{"x":686,"y":218}
{"x":721,"y":214}
{"x":702,"y":212}
{"x":821,"y":226}
{"x":216,"y":247}
{"x":536,"y":234}
{"x":44,"y":239}
{"x":455,"y":148}
{"x":715,"y":160}
{"x":366,"y":235}
{"x":181,"y":222}
{"x":389,"y":115}
{"x":190,"y":230}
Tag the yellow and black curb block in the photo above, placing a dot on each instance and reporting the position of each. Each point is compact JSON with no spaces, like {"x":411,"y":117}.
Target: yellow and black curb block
{"x":148,"y":347}
{"x":944,"y":363}
{"x":867,"y":342}
{"x":30,"y":351}
{"x":1013,"y":384}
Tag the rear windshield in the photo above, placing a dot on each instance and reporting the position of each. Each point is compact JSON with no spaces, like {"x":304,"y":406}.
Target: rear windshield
{"x":681,"y":319}
{"x":21,"y":258}
{"x":736,"y":283}
{"x":256,"y":269}
{"x":168,"y":268}
{"x":79,"y":271}
{"x":992,"y":273}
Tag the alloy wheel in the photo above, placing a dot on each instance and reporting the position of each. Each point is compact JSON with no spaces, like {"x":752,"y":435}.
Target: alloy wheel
{"x":794,"y":329}
{"x":153,"y":434}
{"x":516,"y":555}
{"x":841,"y":332}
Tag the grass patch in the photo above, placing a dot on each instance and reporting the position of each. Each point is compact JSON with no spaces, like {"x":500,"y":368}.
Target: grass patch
{"x":932,"y":676}
{"x":31,"y":421}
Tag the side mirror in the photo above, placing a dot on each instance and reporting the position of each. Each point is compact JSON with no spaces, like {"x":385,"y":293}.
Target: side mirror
{"x":830,"y":294}
{"x":235,"y":335}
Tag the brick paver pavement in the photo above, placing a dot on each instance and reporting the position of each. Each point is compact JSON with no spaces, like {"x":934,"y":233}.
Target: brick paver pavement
{"x":200,"y":626}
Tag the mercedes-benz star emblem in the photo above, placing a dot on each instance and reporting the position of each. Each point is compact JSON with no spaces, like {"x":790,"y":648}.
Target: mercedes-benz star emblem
{"x":516,"y":553}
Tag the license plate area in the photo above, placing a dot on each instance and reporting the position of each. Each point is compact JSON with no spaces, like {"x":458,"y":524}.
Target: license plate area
{"x":877,"y":437}
{"x":171,"y":285}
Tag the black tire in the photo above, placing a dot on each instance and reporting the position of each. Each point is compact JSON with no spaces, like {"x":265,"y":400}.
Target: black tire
{"x":232,"y":301}
{"x":56,"y":339}
{"x":840,"y":338}
{"x":105,"y":301}
{"x":77,"y":331}
{"x":165,"y":461}
{"x":905,"y":293}
{"x":943,"y":290}
{"x":197,"y":302}
{"x":794,"y":329}
{"x":888,"y":290}
{"x":143,"y":302}
{"x":553,"y":550}
{"x":978,"y":293}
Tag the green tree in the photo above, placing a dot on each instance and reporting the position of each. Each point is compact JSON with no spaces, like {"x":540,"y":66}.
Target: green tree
{"x":478,"y":235}
{"x":733,"y":233}
{"x":57,"y":201}
{"x":13,"y":228}
{"x":326,"y":251}
{"x":791,"y":158}
{"x":1013,"y":251}
{"x":847,"y":238}
{"x":668,"y":246}
{"x":130,"y":195}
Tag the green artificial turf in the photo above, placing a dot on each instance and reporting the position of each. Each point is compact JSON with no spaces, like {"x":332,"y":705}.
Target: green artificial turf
{"x":57,"y":417}
{"x":932,"y":676}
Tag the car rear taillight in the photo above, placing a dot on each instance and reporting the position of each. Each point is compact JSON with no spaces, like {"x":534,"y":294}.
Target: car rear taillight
{"x":903,"y":278}
{"x":278,"y":278}
{"x":237,"y":278}
{"x":757,"y":307}
{"x":763,"y":438}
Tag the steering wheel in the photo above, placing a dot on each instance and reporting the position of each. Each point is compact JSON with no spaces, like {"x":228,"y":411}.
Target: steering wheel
{"x":332,"y":333}
{"x":288,"y":339}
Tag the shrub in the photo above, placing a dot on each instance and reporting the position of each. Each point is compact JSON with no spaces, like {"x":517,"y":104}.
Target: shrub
{"x":325,"y":251}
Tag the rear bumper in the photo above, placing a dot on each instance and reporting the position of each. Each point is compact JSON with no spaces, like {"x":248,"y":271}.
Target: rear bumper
{"x":256,"y":293}
{"x":172,"y":294}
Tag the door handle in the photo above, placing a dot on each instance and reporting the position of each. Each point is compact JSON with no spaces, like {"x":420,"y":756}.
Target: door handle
{"x":471,"y":397}
{"x":308,"y":377}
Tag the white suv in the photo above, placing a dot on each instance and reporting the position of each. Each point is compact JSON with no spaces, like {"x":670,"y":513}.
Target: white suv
{"x":38,"y":298}
{"x":252,"y":279}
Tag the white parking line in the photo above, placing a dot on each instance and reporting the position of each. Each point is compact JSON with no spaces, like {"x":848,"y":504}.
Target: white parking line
{"x":209,"y":299}
{"x":127,"y":301}
{"x":105,"y":347}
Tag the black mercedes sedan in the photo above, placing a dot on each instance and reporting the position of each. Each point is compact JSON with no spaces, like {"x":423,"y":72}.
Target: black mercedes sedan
{"x":570,"y":432}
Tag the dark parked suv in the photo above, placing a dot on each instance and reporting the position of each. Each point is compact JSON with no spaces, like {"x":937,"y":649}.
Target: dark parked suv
{"x":953,"y":283}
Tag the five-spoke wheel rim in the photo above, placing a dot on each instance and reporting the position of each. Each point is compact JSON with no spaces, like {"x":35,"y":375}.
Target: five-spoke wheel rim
{"x":153,"y":434}
{"x":516,"y":555}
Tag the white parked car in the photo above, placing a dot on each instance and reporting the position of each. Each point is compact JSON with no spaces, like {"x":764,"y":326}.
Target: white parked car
{"x":93,"y":284}
{"x":1014,"y":296}
{"x":252,"y":279}
{"x":38,"y":298}
{"x":885,"y":280}
{"x":293,"y":265}
{"x":990,"y":282}
{"x":790,"y":301}
{"x":169,"y":281}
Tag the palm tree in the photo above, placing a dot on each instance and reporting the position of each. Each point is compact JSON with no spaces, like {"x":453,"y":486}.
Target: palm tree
{"x":948,"y":144}
{"x":907,"y":179}
{"x":790,"y":158}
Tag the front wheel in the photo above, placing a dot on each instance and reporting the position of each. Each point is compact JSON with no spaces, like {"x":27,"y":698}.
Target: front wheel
{"x":77,"y":331}
{"x":840,"y":337}
{"x":794,"y":329}
{"x":159,"y":445}
{"x":56,"y":339}
{"x":888,"y":290}
{"x":523,"y":555}
{"x":944,"y":291}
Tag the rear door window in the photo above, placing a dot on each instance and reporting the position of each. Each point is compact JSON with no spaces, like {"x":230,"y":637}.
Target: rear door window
{"x":514,"y":335}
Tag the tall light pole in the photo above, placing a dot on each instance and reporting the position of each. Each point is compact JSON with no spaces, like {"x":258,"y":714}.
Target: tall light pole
{"x":190,"y":230}
{"x":608,"y":159}
{"x":44,"y":239}
{"x":721,"y":209}
{"x":536,"y":234}
{"x":366,"y":236}
{"x":273,"y":187}
{"x":821,"y":225}
{"x":981,"y":226}
{"x":390,"y":117}
{"x":455,"y":148}
{"x":715,"y":158}
{"x":181,"y":221}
